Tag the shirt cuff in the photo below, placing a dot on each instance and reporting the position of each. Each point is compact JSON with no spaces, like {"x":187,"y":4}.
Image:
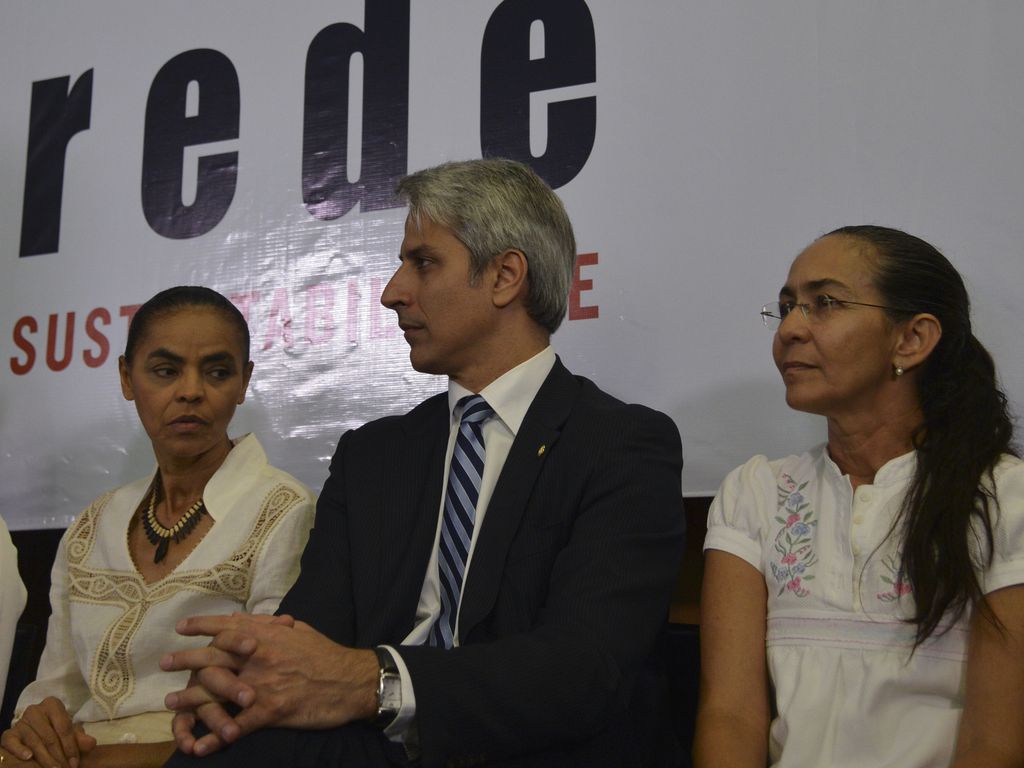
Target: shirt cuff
{"x":999,"y":576}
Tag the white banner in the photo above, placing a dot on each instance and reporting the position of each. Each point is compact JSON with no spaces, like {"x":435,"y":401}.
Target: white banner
{"x":253,"y":147}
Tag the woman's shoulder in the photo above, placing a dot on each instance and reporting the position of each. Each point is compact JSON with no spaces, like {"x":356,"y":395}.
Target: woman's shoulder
{"x":1009,"y":466}
{"x":1008,"y":475}
{"x":103,"y":523}
{"x":760,"y":472}
{"x":112,"y":503}
{"x":1006,"y":482}
{"x":247,"y":473}
{"x":1006,"y":567}
{"x":247,"y":465}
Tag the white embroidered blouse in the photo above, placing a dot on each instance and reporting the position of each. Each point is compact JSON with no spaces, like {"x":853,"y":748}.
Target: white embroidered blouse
{"x":109,"y":628}
{"x":847,"y":690}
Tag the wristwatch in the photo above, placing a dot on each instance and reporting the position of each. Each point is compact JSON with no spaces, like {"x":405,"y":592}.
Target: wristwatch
{"x":389,"y":689}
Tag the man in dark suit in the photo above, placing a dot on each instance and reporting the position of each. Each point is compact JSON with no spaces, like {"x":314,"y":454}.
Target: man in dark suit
{"x":488,"y":574}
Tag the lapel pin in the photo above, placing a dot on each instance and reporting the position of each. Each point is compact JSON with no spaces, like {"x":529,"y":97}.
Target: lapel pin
{"x":540,"y":451}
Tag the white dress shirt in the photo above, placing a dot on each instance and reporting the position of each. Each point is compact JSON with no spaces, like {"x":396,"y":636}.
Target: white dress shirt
{"x":510,"y":396}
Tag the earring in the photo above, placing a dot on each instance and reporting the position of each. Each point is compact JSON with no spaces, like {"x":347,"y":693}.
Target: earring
{"x":897,"y":370}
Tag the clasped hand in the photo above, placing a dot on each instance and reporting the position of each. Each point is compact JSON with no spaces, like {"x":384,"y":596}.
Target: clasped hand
{"x":281,"y":672}
{"x":46,"y":735}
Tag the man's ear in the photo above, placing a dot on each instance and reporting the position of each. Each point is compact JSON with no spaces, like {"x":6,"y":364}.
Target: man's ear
{"x":126,"y":381}
{"x":917,"y":339}
{"x":510,"y":277}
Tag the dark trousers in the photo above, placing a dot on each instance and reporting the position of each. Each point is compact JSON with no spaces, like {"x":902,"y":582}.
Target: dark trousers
{"x":353,"y":746}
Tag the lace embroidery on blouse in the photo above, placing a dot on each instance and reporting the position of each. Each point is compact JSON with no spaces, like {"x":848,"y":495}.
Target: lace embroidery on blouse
{"x":112,"y":678}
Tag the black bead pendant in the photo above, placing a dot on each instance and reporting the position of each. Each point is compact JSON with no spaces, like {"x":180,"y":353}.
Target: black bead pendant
{"x":161,"y":550}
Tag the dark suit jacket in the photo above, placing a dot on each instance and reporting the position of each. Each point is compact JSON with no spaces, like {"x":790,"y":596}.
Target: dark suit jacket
{"x":566,"y":594}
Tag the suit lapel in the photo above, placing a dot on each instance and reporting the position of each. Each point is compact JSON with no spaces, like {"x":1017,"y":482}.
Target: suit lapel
{"x":408,"y":517}
{"x":530,"y":451}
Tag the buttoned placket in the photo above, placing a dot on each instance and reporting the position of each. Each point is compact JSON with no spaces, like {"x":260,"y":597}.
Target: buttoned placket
{"x":860,"y":532}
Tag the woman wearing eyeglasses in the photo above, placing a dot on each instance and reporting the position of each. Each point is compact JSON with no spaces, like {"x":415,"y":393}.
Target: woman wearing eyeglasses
{"x":863,"y":601}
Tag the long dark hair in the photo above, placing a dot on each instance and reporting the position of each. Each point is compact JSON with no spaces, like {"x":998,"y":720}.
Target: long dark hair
{"x":183,"y":297}
{"x":967,"y":427}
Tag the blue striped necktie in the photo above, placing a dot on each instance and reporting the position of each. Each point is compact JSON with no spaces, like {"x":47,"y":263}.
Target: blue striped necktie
{"x":460,"y":499}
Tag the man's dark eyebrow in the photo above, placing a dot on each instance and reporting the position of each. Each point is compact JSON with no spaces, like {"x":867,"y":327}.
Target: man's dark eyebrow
{"x":419,"y":252}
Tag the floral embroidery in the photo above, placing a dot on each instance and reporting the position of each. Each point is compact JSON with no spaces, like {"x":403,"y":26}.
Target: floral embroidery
{"x":794,"y":542}
{"x":897,"y":587}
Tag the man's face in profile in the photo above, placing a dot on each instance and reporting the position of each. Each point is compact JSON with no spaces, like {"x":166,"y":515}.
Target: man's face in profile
{"x":448,"y":320}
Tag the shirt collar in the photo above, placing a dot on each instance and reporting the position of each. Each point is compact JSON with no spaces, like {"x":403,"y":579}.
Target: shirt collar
{"x":896,"y":470}
{"x":233,"y":476}
{"x":511,"y":394}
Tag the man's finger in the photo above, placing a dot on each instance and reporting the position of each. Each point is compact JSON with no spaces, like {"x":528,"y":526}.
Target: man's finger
{"x":223,"y":728}
{"x":211,"y":686}
{"x":209,"y":625}
{"x":235,"y":642}
{"x":199,"y":658}
{"x":263,"y":618}
{"x":181,"y":728}
{"x":224,"y":685}
{"x":253,"y":719}
{"x":207,"y":745}
{"x":188,"y":698}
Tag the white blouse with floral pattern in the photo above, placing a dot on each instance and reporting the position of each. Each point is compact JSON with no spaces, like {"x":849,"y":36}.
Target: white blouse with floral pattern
{"x":848,"y":690}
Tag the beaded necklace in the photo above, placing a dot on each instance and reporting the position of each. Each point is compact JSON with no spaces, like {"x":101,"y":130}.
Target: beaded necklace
{"x":161,"y":537}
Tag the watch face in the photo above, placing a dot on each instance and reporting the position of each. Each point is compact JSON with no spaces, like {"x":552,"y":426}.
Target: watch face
{"x":391,"y":693}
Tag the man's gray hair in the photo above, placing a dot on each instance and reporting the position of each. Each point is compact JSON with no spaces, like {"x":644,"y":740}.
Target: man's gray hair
{"x":495,"y":205}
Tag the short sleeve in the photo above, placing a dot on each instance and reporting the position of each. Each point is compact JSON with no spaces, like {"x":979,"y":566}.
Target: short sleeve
{"x":1007,"y":567}
{"x":739,"y":512}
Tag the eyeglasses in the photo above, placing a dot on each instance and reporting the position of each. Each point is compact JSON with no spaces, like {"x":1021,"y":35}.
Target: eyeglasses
{"x":773,"y":313}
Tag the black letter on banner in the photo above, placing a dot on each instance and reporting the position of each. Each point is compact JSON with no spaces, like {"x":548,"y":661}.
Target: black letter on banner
{"x":326,"y":190}
{"x":57,"y":115}
{"x":169,"y":130}
{"x":508,"y":76}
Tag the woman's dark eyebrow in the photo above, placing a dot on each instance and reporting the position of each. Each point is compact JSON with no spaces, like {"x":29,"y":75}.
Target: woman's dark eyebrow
{"x":814,"y":285}
{"x":218,"y":357}
{"x":165,"y":354}
{"x":826,"y":282}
